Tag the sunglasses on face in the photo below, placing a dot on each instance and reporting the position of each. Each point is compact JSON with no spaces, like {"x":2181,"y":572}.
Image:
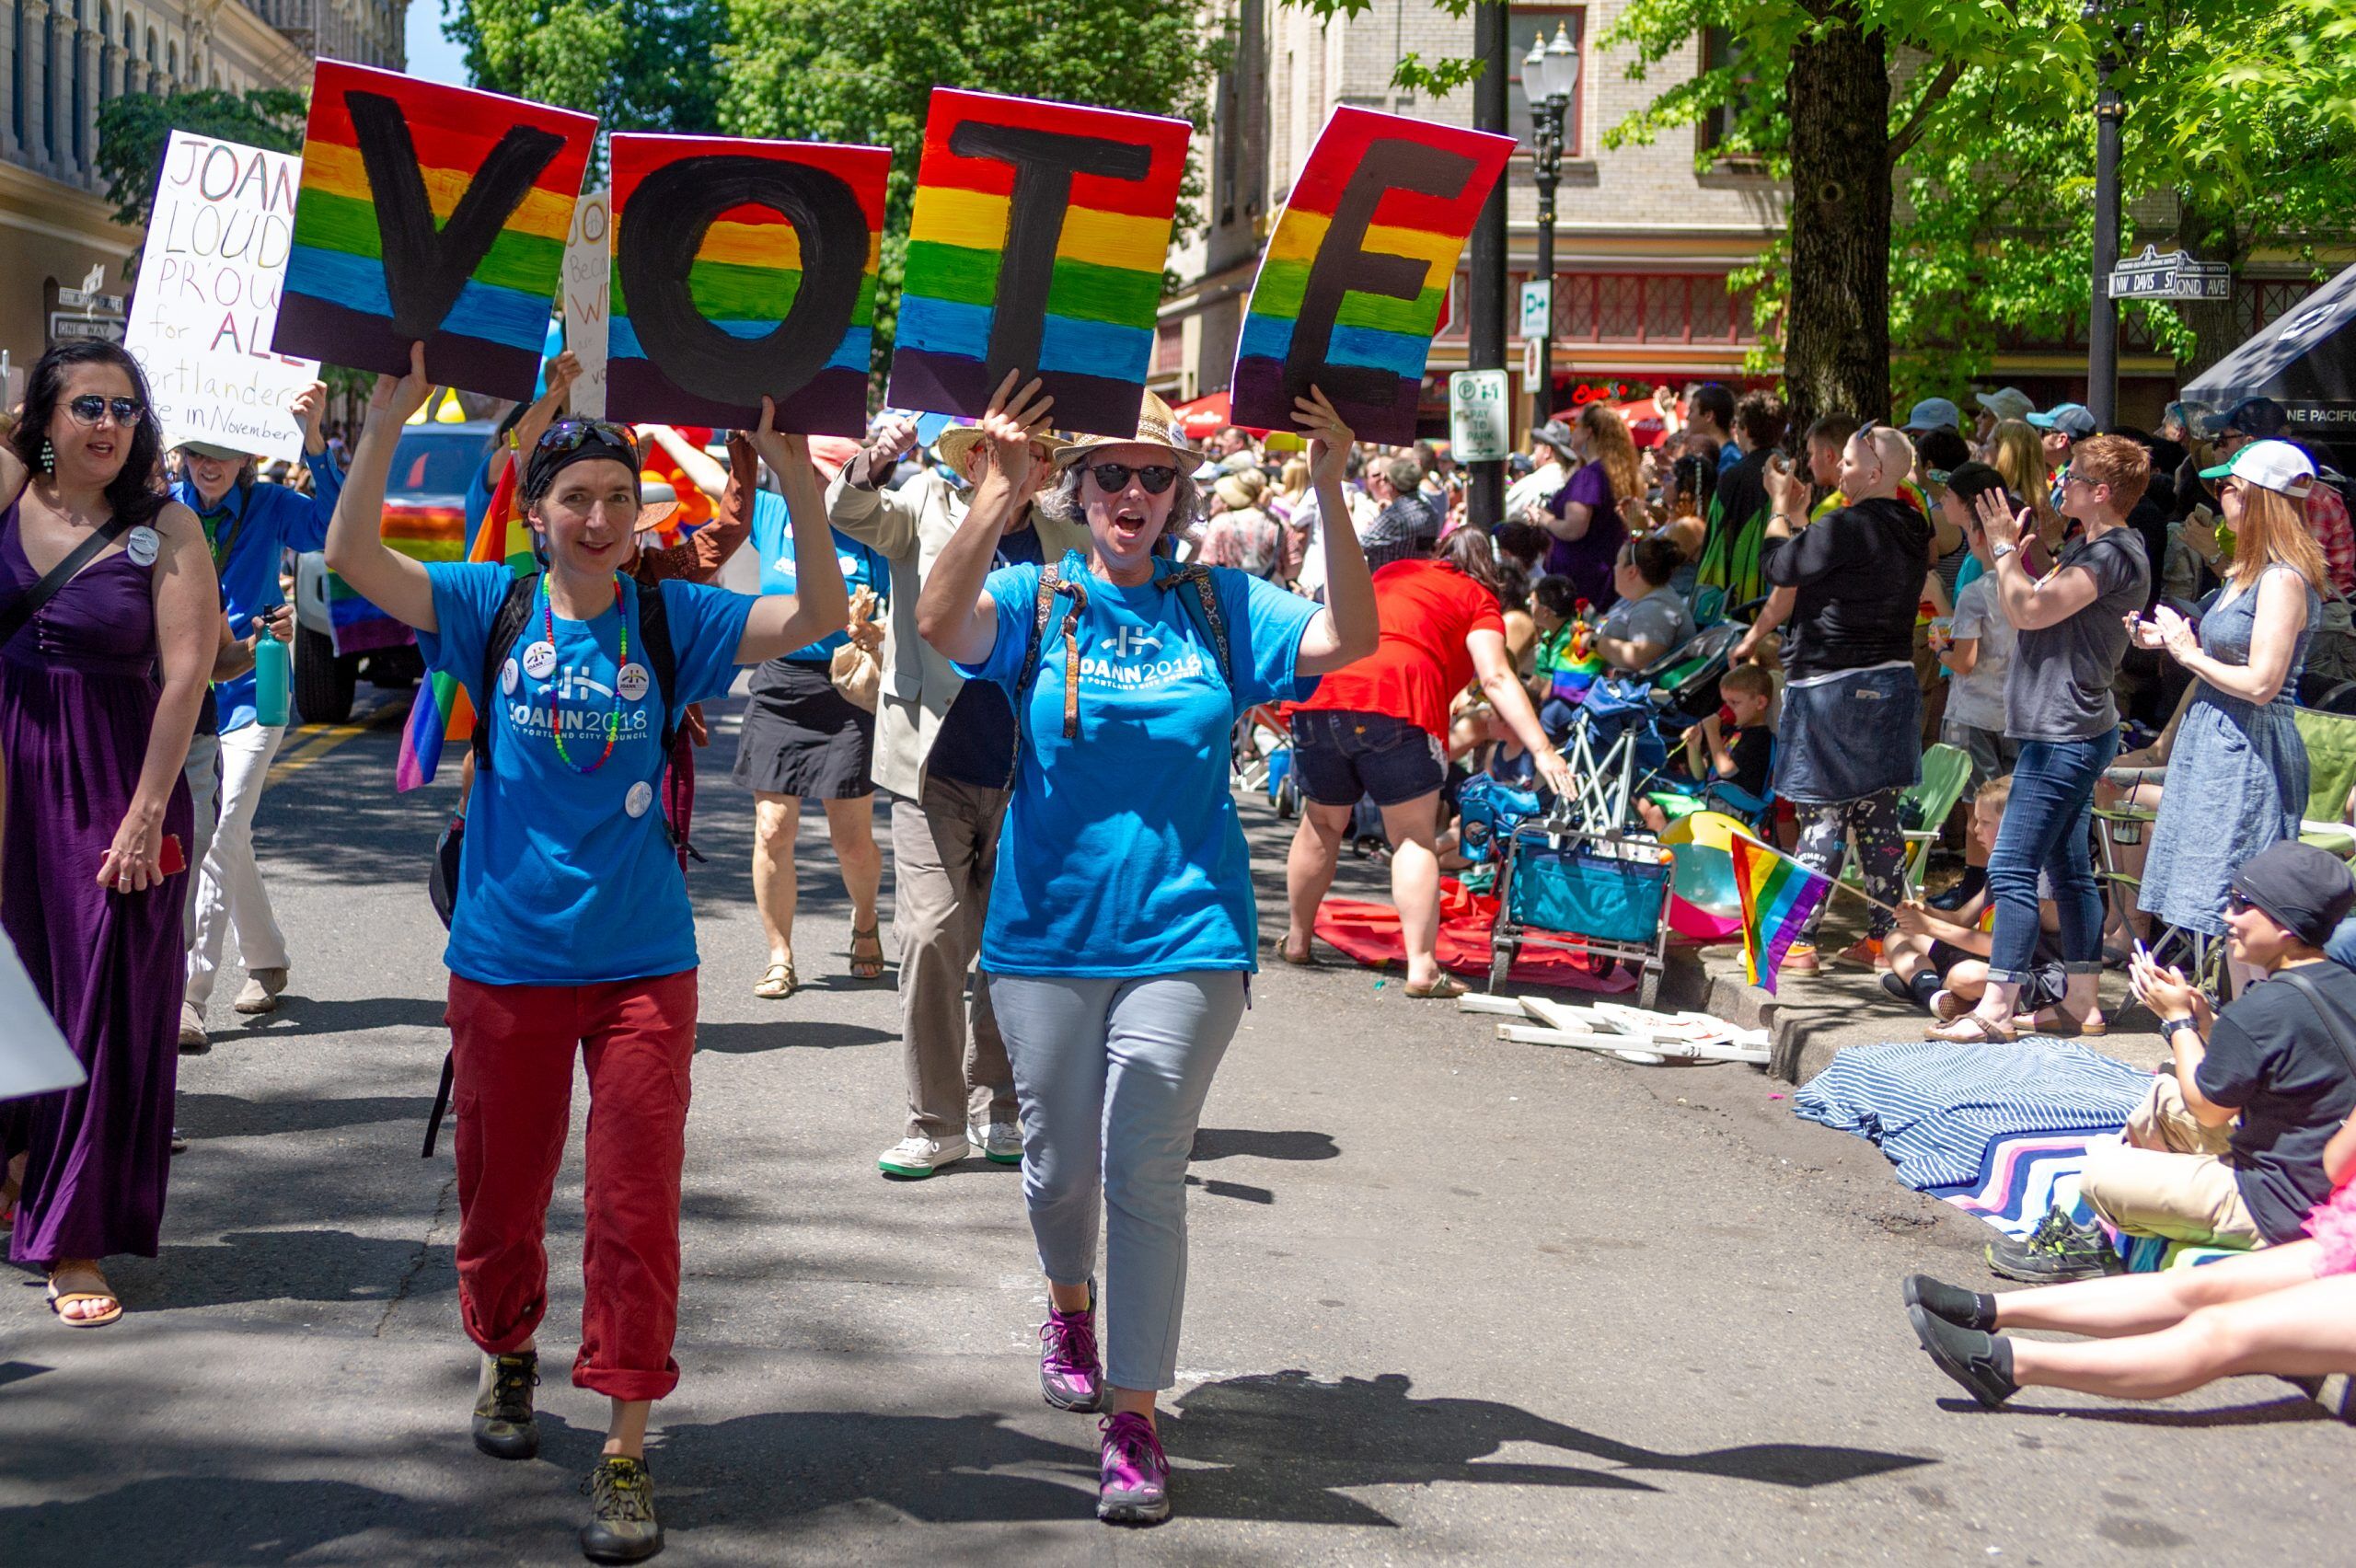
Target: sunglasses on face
{"x":2236,"y":905}
{"x":1114,"y":477}
{"x":89,"y":409}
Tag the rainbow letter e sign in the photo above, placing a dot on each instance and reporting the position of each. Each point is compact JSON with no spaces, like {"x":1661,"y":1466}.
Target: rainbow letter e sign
{"x":1036,"y":245}
{"x":1350,"y":288}
{"x":434,"y":214}
{"x":743,"y":269}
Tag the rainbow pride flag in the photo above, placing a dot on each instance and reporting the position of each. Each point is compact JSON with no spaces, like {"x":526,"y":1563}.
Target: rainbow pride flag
{"x":372,"y":272}
{"x":441,"y":712}
{"x":1778,"y":895}
{"x":745,"y":275}
{"x":1351,"y":284}
{"x":976,"y":281}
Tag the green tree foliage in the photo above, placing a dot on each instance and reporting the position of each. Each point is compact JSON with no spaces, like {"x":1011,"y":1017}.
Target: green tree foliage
{"x":864,"y":71}
{"x":134,"y":128}
{"x":636,"y":65}
{"x":2241,"y":122}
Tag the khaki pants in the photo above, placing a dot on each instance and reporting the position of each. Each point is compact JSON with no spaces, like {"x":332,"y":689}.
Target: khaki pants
{"x":2176,"y":1185}
{"x":943,"y":849}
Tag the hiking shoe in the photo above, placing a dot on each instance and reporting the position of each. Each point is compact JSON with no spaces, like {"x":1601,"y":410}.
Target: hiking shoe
{"x":1001,"y":1142}
{"x":913,"y":1159}
{"x":1134,"y":1485}
{"x":261,"y":992}
{"x":622,"y":1527}
{"x":2058,"y":1250}
{"x":1800,"y":959}
{"x":1982,"y":1363}
{"x":1069,"y":1372}
{"x":195,"y":1042}
{"x":1965,"y":1308}
{"x":505,"y":1427}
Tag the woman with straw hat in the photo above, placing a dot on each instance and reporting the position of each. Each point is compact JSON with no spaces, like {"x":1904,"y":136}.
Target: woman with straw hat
{"x":1121,"y":929}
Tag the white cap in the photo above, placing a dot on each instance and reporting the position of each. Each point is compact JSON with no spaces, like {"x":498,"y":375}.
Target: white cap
{"x":2269,"y":464}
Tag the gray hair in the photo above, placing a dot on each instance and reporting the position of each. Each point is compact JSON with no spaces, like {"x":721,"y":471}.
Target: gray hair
{"x":1062,"y":502}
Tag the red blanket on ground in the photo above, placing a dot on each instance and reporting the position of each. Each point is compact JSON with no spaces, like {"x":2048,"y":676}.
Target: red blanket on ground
{"x":1369,"y":933}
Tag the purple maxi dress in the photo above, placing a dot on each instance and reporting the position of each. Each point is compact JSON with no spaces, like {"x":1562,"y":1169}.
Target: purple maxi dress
{"x":77,"y":693}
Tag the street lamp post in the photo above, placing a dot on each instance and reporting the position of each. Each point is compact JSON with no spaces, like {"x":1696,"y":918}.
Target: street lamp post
{"x":1549,"y":74}
{"x":2110,"y":112}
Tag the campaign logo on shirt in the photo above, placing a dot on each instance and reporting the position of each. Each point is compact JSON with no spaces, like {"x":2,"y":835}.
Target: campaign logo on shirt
{"x":1135,"y":658}
{"x":579,"y":702}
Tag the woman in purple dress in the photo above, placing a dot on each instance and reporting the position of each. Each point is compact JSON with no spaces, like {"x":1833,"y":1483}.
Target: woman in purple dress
{"x":93,"y":742}
{"x":1584,"y":516}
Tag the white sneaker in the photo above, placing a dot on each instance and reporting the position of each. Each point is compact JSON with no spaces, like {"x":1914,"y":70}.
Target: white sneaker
{"x":260,"y":993}
{"x":195,"y":1042}
{"x":913,"y":1159}
{"x":1001,"y":1142}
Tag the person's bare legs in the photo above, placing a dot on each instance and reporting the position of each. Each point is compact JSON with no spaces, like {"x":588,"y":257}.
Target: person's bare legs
{"x":776,"y":819}
{"x":850,"y":825}
{"x":1414,"y":882}
{"x":1309,"y":873}
{"x":625,"y":1428}
{"x":2303,"y":1330}
{"x":2145,"y":1303}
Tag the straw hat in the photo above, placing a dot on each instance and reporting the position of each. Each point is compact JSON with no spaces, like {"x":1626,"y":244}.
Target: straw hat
{"x":957,"y":442}
{"x":1242,"y":489}
{"x":1157,"y":426}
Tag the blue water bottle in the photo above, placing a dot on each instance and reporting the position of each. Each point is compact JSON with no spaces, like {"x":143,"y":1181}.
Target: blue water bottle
{"x":271,"y":671}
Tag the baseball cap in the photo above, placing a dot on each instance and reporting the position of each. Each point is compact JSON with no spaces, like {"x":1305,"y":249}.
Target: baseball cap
{"x":2260,"y":417}
{"x":1934,"y":413}
{"x":2071,"y":419}
{"x":2303,"y":889}
{"x":2008,"y":403}
{"x":2269,"y":464}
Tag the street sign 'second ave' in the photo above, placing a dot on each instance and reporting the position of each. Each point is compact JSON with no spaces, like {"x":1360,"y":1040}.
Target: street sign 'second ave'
{"x":1480,"y":416}
{"x":2172,"y":276}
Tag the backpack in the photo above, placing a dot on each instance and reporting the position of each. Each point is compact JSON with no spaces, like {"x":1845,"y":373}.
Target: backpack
{"x":1052,"y":585}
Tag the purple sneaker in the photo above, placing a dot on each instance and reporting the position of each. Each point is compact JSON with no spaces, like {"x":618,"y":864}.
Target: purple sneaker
{"x":1069,"y":1374}
{"x":1135,"y":1485}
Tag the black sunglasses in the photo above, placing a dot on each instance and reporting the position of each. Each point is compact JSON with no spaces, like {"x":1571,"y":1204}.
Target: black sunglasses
{"x":567,"y":435}
{"x":1114,"y":477}
{"x":89,"y":409}
{"x":2236,"y":905}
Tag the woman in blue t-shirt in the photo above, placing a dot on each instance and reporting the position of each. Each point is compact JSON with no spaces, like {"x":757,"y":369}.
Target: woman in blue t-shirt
{"x":1121,"y":928}
{"x":573,"y":934}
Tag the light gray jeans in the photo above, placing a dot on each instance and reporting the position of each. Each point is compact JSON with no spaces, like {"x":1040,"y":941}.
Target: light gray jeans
{"x":1112,"y":1074}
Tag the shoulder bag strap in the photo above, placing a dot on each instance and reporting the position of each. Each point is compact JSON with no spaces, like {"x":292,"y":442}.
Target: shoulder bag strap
{"x":661,"y":657}
{"x":514,"y":611}
{"x":2332,"y":1023}
{"x":15,"y":618}
{"x":1043,"y":610}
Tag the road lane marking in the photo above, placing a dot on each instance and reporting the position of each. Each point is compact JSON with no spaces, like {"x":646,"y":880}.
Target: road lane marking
{"x":319,"y":744}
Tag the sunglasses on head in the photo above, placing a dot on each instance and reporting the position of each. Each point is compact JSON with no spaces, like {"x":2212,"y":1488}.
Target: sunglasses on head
{"x":89,"y":409}
{"x":1114,"y":477}
{"x":567,"y":435}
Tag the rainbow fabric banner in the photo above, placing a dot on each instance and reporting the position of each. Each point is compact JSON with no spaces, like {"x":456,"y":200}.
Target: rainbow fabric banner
{"x":1351,"y":287}
{"x":743,"y":269}
{"x":1036,"y":245}
{"x":441,"y":712}
{"x":1778,"y":897}
{"x":430,"y":214}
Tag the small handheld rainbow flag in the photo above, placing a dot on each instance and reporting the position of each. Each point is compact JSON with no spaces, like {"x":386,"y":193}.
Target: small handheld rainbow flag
{"x":1778,"y":897}
{"x":441,"y":712}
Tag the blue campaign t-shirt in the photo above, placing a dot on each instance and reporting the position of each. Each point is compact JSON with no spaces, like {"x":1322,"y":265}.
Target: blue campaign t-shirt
{"x":569,"y":877}
{"x":249,"y":532}
{"x":1123,"y":854}
{"x":773,"y":547}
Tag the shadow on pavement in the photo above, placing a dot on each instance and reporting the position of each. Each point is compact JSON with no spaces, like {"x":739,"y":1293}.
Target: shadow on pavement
{"x":185,"y":1521}
{"x":227,"y":1117}
{"x":1222,"y":1142}
{"x":284,"y":1265}
{"x":786,"y":1034}
{"x":302,"y":1015}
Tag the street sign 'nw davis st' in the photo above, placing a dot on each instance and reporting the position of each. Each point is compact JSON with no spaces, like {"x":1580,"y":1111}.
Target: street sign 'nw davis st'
{"x":2172,"y":276}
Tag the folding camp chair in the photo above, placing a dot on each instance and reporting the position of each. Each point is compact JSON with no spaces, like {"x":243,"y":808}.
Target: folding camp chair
{"x":1947,"y":772}
{"x":2330,"y":739}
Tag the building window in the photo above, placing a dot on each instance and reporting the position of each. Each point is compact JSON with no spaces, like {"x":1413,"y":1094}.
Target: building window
{"x":1532,"y":23}
{"x":1720,"y":50}
{"x":16,"y":74}
{"x":1643,"y":307}
{"x":81,"y":90}
{"x":172,"y":59}
{"x":151,"y":49}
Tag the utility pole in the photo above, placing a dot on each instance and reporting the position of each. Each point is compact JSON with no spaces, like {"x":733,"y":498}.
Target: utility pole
{"x":1486,"y":300}
{"x":2110,"y":112}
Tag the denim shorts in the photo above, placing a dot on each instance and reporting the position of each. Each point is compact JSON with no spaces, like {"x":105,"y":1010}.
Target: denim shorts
{"x":1340,"y":756}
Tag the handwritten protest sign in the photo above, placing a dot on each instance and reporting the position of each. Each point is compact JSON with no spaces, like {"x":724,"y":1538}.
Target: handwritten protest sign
{"x":1036,"y":244}
{"x":207,"y":299}
{"x":1351,"y":287}
{"x":588,"y":297}
{"x":434,"y":214}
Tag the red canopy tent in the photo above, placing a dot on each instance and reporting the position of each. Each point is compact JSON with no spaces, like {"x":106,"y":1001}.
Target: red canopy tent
{"x":1205,"y":417}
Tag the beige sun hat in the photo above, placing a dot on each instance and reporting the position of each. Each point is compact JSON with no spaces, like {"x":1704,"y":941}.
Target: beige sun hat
{"x":957,"y":442}
{"x":1157,"y":426}
{"x":1242,"y":489}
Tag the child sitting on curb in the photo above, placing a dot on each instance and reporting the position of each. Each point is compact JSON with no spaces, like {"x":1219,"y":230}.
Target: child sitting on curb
{"x":1939,"y":962}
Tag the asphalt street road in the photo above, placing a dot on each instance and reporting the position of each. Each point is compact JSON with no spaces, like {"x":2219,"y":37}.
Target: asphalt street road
{"x":1452,"y":1301}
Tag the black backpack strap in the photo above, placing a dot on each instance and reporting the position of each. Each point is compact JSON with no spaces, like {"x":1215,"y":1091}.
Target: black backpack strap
{"x":28,"y":602}
{"x":515,"y":613}
{"x":662,"y":658}
{"x":2333,"y":1023}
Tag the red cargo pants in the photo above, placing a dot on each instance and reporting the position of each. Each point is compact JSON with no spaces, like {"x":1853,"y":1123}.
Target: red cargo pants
{"x":515,"y":1047}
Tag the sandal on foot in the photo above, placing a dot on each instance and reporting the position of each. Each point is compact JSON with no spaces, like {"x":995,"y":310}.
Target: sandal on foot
{"x":1446,"y":988}
{"x":1308,"y":958}
{"x":1969,"y":1029}
{"x":61,"y":1300}
{"x":863,"y":968}
{"x":2063,"y":1028}
{"x":777,"y":982}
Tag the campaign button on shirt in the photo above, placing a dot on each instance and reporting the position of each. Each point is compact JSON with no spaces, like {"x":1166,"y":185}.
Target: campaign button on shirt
{"x":539,"y":661}
{"x":142,"y":544}
{"x":508,"y":674}
{"x":632,"y":683}
{"x":641,"y":796}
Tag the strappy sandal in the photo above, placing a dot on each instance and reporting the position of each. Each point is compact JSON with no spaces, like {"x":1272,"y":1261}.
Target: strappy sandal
{"x":61,"y":1300}
{"x":1446,"y":988}
{"x":1969,"y":1029}
{"x":1308,"y":958}
{"x":2063,"y":1028}
{"x":777,"y":982}
{"x":867,"y":968}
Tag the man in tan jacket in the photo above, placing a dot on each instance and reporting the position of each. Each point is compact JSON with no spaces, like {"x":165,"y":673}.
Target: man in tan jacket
{"x":945,"y":751}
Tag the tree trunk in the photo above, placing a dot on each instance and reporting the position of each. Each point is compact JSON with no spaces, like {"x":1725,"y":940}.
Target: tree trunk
{"x":1836,"y":331}
{"x":2206,"y":232}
